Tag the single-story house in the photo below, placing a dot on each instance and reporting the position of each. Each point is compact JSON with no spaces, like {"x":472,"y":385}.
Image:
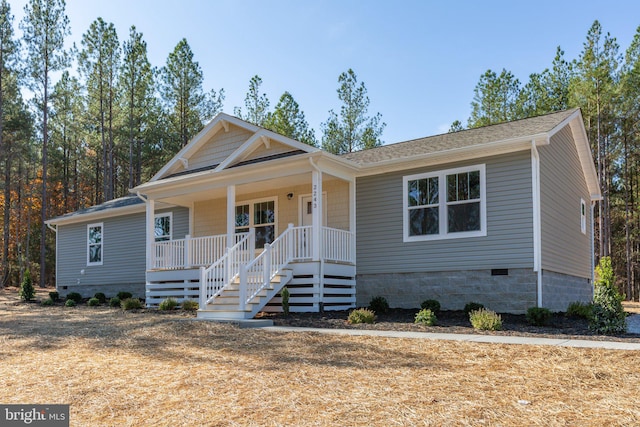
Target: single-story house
{"x":501,"y":215}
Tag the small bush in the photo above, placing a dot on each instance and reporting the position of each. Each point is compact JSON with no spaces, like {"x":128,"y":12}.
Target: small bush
{"x":54,"y":296}
{"x":485,"y":320}
{"x":69,"y":303}
{"x":168,"y":304}
{"x":607,"y":314}
{"x":101,"y":297}
{"x":130,"y":303}
{"x":27,"y":292}
{"x":538,"y":316}
{"x":472,"y":306}
{"x":579,"y":310}
{"x":284,"y":293}
{"x":189,"y":305}
{"x":361,"y":315}
{"x":379,"y":305}
{"x":46,"y":302}
{"x":124,"y":295}
{"x":114,"y":302}
{"x":75,"y":297}
{"x":426,"y":317}
{"x":432,"y":305}
{"x":93,"y":302}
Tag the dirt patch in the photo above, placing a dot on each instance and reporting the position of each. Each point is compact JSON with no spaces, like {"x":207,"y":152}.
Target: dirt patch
{"x":146,"y":368}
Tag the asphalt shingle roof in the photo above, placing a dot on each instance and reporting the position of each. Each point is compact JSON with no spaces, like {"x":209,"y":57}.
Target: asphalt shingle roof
{"x":111,"y":204}
{"x":462,"y":139}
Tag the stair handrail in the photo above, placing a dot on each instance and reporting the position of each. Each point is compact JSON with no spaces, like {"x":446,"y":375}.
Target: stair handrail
{"x":223,"y":271}
{"x":263,"y":268}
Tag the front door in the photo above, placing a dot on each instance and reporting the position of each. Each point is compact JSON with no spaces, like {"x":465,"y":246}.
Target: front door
{"x":306,"y":207}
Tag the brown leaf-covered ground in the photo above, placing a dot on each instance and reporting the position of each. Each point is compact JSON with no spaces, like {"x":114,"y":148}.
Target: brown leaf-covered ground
{"x":147,"y":368}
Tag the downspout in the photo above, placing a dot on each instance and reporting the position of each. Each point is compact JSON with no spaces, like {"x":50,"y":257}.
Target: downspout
{"x":537,"y":235}
{"x":55,"y":230}
{"x":593,"y":255}
{"x":321,"y":266}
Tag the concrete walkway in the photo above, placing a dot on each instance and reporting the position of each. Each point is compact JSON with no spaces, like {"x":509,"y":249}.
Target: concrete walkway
{"x":501,"y":339}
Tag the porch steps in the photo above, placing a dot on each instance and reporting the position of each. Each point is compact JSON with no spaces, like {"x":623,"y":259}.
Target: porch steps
{"x":227,"y":304}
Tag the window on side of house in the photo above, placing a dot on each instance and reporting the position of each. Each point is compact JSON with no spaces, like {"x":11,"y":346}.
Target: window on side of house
{"x":583,"y":216}
{"x":445,"y":204}
{"x":94,"y":244}
{"x":162,"y":227}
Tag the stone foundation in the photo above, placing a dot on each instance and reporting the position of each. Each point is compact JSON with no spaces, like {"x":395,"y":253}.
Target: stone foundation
{"x":511,"y":293}
{"x":87,"y":291}
{"x":559,"y":290}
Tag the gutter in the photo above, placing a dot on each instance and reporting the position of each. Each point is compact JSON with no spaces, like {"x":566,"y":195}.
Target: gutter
{"x":51,"y":227}
{"x":537,"y":235}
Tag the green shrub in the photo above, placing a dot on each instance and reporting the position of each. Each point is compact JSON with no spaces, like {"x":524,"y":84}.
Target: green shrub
{"x":124,"y":295}
{"x":361,"y":315}
{"x":93,"y":302}
{"x":426,"y":317}
{"x":379,"y":305}
{"x":189,"y":305}
{"x":46,"y":302}
{"x":167,"y":304}
{"x":607,"y":314}
{"x":101,"y":297}
{"x":114,"y":302}
{"x":69,"y":303}
{"x":54,"y":295}
{"x":27,"y":292}
{"x":485,"y":320}
{"x":75,"y":297}
{"x":580,"y":310}
{"x":284,"y":293}
{"x":472,"y":306}
{"x":432,"y":305}
{"x":130,"y":303}
{"x":538,"y":316}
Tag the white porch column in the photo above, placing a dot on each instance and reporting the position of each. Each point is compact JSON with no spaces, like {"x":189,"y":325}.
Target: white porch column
{"x":352,"y":217}
{"x":231,"y":215}
{"x":151,"y":230}
{"x":316,"y":199}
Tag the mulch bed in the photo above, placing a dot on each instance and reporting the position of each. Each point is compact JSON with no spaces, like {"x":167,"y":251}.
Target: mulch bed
{"x":455,"y":322}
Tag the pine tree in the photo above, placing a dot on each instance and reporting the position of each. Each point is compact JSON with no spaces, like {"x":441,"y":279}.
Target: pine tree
{"x":257,"y":105}
{"x":287,"y":119}
{"x":352,"y":129}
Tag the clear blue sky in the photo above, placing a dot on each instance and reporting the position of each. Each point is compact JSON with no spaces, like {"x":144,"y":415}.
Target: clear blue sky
{"x":420,"y":60}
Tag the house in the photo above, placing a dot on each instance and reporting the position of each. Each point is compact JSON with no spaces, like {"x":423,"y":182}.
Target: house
{"x":501,"y":215}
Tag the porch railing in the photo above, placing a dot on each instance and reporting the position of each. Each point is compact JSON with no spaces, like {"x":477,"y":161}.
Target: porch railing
{"x":189,"y":252}
{"x":222,"y":272}
{"x":338,"y":245}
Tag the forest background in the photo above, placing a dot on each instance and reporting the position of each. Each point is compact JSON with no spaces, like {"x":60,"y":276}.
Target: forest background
{"x":82,"y":124}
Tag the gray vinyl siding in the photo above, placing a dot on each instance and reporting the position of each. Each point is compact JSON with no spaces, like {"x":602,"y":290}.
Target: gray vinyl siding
{"x":565,"y":249}
{"x":509,"y":239}
{"x":123,"y":251}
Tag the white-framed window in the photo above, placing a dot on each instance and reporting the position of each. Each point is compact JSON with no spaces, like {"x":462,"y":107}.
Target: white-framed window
{"x":260,"y":215}
{"x":162,"y":227}
{"x":445,"y":204}
{"x":583,"y":216}
{"x":95,"y":241}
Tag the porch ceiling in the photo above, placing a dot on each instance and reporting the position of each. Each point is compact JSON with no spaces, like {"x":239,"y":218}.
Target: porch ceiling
{"x":254,"y":187}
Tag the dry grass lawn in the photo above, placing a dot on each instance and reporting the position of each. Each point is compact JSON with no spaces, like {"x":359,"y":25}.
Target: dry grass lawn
{"x":152,"y":369}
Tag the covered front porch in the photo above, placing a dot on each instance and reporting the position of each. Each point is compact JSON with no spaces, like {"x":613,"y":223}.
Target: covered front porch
{"x":247,"y":238}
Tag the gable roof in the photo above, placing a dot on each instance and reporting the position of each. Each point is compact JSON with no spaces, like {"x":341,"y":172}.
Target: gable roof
{"x":531,"y":128}
{"x":123,"y":205}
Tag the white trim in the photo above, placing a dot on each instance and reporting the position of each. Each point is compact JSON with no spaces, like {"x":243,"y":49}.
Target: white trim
{"x":442,"y":205}
{"x":90,"y":226}
{"x":537,"y":220}
{"x":583,"y":216}
{"x":160,"y":215}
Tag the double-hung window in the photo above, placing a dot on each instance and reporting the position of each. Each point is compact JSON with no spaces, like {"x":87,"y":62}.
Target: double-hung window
{"x":583,"y":216}
{"x":162,"y":227}
{"x":259,"y":215}
{"x":445,"y":204}
{"x":94,"y":244}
